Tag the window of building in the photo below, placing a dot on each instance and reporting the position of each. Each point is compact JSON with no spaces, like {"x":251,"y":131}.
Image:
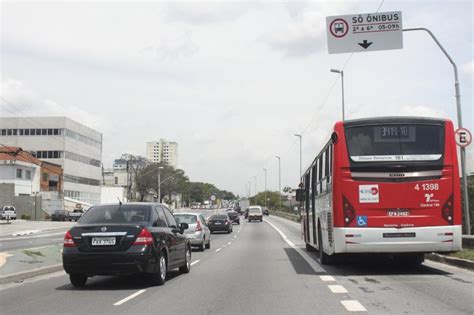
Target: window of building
{"x":28,"y":174}
{"x":19,"y":173}
{"x":15,"y":132}
{"x":55,"y":154}
{"x":50,"y":154}
{"x":44,"y":132}
{"x":50,"y":132}
{"x":21,"y":132}
{"x":4,"y":132}
{"x":116,"y":180}
{"x":55,"y":132}
{"x":38,"y":132}
{"x":9,"y":132}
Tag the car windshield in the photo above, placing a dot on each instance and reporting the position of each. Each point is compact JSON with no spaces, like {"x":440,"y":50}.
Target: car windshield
{"x":185,"y":218}
{"x":254,"y":210}
{"x":116,"y":214}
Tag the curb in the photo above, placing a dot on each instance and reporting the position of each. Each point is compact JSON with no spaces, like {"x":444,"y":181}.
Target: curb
{"x":14,"y":277}
{"x":453,"y":261}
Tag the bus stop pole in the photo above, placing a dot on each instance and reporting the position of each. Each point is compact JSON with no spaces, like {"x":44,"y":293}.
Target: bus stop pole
{"x":467,"y":223}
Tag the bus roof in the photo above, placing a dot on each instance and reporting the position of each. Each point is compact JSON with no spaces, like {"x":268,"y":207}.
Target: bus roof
{"x":393,"y":119}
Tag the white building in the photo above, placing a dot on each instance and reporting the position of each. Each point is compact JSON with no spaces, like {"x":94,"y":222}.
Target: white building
{"x":22,"y":171}
{"x":162,"y":152}
{"x":60,"y":140}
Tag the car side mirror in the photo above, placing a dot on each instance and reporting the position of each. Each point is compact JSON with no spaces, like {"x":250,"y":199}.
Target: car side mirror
{"x":183,"y":227}
{"x":300,"y":194}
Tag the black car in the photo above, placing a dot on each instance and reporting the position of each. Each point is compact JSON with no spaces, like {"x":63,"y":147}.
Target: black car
{"x":265,"y":211}
{"x":219,"y":222}
{"x":125,"y":239}
{"x":60,"y":215}
{"x":234,"y":217}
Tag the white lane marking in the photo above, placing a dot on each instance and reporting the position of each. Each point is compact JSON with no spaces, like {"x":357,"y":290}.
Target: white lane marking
{"x":229,"y":243}
{"x":218,"y":250}
{"x":128,"y":298}
{"x":327,"y":278}
{"x":281,"y":234}
{"x":336,"y":288}
{"x":195,"y":262}
{"x":353,"y":306}
{"x":235,"y":236}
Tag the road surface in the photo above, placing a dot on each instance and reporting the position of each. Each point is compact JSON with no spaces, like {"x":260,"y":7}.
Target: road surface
{"x":261,"y":268}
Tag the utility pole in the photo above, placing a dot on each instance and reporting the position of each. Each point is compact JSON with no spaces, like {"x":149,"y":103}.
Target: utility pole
{"x":301,"y":154}
{"x":279,"y":182}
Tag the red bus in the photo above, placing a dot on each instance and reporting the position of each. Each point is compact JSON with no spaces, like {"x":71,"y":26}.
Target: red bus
{"x":384,"y":185}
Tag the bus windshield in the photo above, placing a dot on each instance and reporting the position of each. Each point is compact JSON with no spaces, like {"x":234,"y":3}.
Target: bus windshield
{"x":395,"y":142}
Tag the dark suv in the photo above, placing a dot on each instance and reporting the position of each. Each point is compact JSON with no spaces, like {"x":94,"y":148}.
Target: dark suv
{"x":124,"y":239}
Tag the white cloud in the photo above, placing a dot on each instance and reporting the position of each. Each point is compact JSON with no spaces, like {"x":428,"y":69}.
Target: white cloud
{"x":205,"y":12}
{"x":19,"y":100}
{"x":468,"y":68}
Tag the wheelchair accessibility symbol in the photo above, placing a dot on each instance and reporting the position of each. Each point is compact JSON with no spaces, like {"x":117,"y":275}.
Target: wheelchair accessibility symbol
{"x":361,"y":220}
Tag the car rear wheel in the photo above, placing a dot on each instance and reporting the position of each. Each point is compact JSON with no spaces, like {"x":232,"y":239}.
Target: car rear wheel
{"x":208,"y":245}
{"x":202,"y":245}
{"x":159,"y":278}
{"x":186,"y":268}
{"x":78,"y":280}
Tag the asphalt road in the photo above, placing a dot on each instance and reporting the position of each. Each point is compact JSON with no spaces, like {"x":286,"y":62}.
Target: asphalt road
{"x":261,"y":268}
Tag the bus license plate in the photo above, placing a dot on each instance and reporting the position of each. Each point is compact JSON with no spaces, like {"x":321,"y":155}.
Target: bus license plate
{"x":103,"y":241}
{"x":398,"y":213}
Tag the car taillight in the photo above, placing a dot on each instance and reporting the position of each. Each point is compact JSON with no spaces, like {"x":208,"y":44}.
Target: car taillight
{"x":68,"y":241}
{"x":447,"y":210}
{"x":349,"y":212}
{"x":198,"y":227}
{"x":144,"y":238}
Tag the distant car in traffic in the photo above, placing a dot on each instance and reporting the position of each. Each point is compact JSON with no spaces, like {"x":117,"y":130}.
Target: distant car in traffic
{"x":75,"y":215}
{"x":9,"y":212}
{"x":220,"y":223}
{"x":265,"y":211}
{"x":255,"y":214}
{"x":197,"y":232}
{"x":233,"y":216}
{"x":60,"y":215}
{"x":126,"y":239}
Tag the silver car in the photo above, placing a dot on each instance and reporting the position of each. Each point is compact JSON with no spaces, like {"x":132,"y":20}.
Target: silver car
{"x":198,"y":232}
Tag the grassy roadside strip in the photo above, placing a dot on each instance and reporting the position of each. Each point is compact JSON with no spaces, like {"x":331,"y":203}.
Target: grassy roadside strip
{"x":285,"y":215}
{"x":464,"y":254}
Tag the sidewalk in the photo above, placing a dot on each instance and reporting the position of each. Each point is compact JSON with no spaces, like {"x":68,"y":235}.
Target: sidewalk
{"x":23,"y":227}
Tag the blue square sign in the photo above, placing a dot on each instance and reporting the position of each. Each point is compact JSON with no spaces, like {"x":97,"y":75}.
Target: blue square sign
{"x":361,"y":220}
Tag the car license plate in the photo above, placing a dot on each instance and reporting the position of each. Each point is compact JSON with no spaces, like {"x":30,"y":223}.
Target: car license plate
{"x":398,"y":212}
{"x":218,"y":223}
{"x":103,"y":241}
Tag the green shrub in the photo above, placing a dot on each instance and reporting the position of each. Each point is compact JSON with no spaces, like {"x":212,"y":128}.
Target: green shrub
{"x":26,"y":217}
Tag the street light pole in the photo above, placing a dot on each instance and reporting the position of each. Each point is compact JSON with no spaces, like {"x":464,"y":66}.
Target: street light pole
{"x":250,"y":188}
{"x":255,"y":177}
{"x":341,"y":72}
{"x":467,"y":223}
{"x":159,"y":183}
{"x":301,"y":154}
{"x":279,"y":181}
{"x":265,"y":171}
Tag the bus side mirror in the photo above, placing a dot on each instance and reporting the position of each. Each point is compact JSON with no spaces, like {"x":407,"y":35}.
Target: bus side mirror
{"x":300,"y":194}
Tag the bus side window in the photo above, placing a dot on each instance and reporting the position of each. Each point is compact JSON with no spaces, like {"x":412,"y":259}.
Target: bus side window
{"x":320,"y":173}
{"x":326,"y":167}
{"x":314,"y":180}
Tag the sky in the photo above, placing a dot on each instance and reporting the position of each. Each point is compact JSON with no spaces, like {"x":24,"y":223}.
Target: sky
{"x":231,"y":82}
